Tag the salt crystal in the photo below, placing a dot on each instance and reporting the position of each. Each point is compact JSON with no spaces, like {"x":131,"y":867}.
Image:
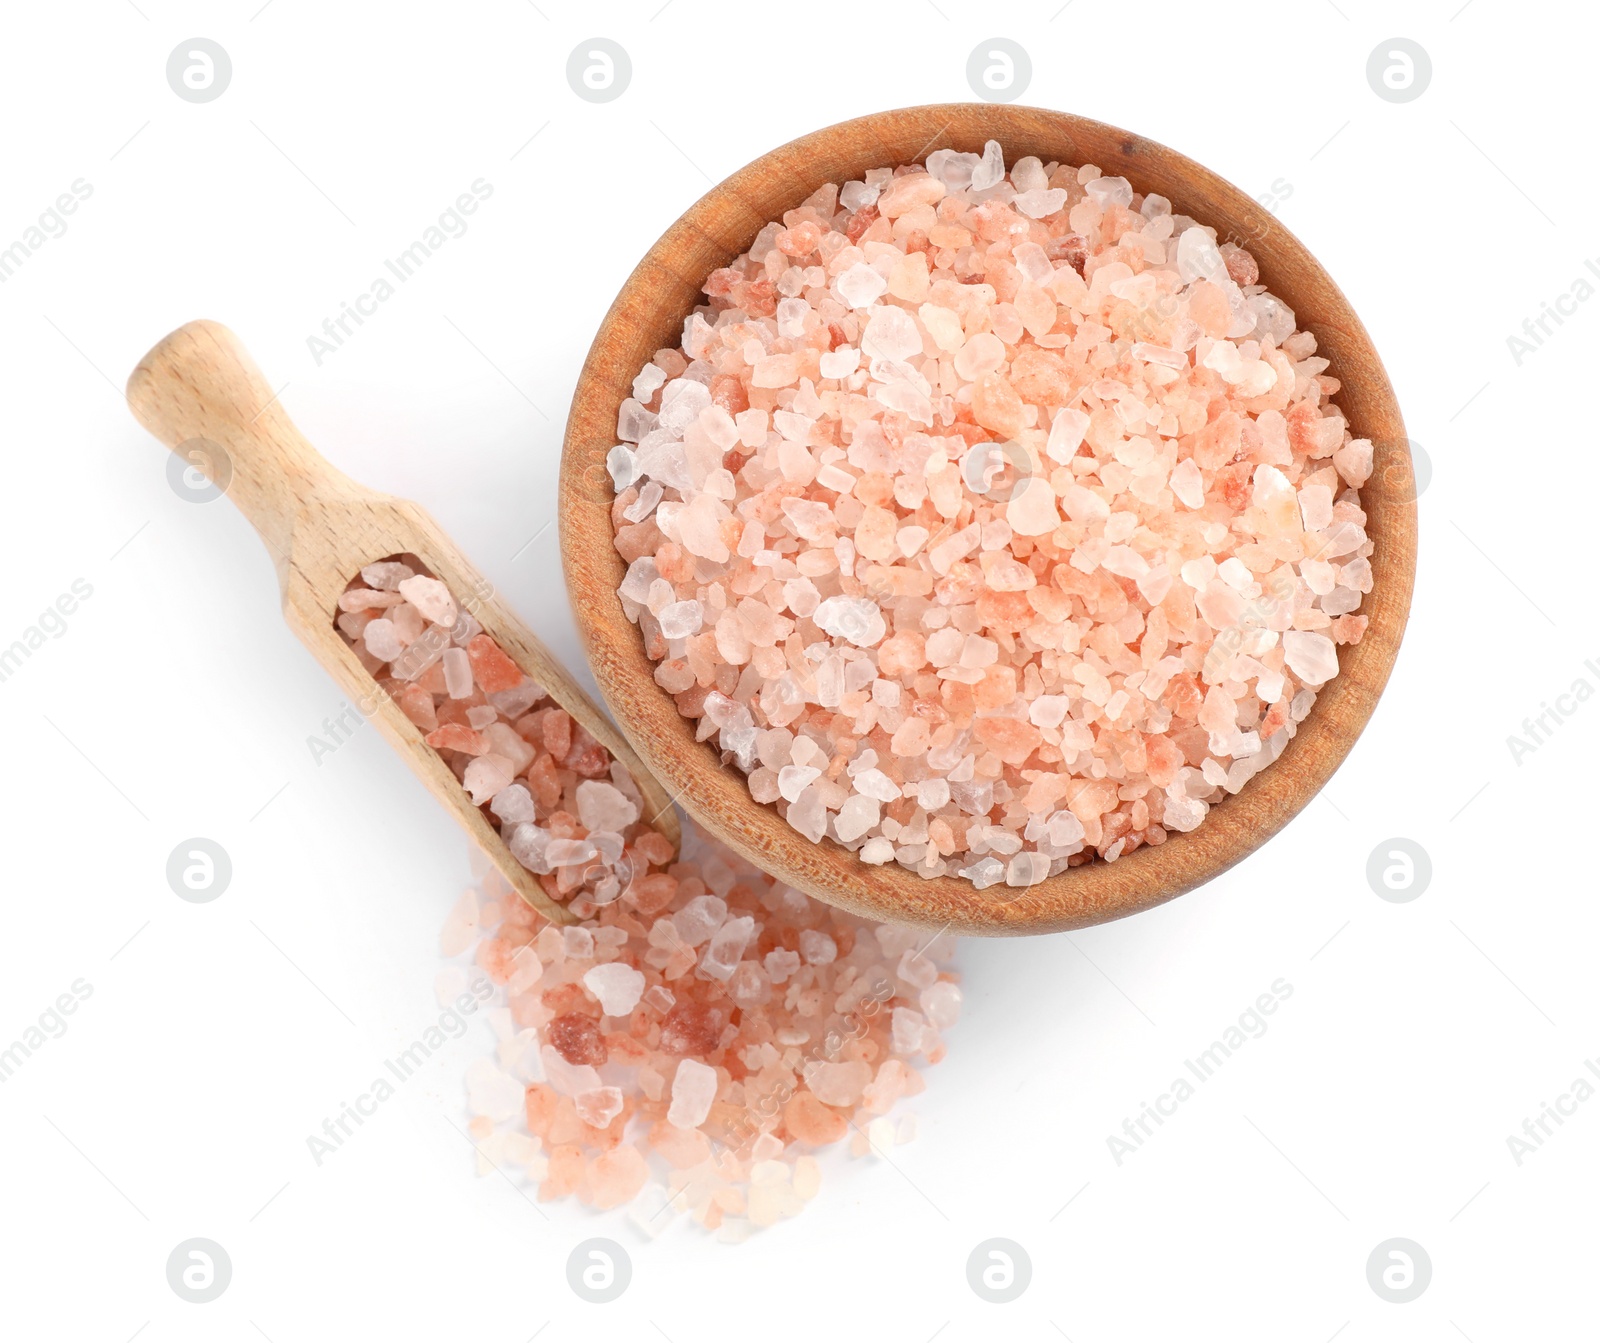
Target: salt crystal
{"x":622,"y":466}
{"x":679,"y":620}
{"x":694,"y":1088}
{"x":1064,"y":830}
{"x":645,"y":504}
{"x":529,"y":846}
{"x":860,"y":286}
{"x":1183,"y":814}
{"x":569,"y":1079}
{"x":855,"y":619}
{"x":1354,"y":462}
{"x":780,"y":963}
{"x":698,"y":919}
{"x":877,"y":851}
{"x":682,"y":400}
{"x":1187,"y":484}
{"x":513,"y":703}
{"x":891,"y":333}
{"x":1066,"y":434}
{"x":386,"y":575}
{"x":431,"y":598}
{"x":984,"y":872}
{"x":795,"y":779}
{"x":1109,"y":191}
{"x":700,"y":527}
{"x":602,"y":806}
{"x":599,"y":1107}
{"x":570,"y":852}
{"x":1038,"y":204}
{"x":1027,"y":869}
{"x":486,"y":775}
{"x":838,"y":1084}
{"x":1198,"y":257}
{"x":817,"y":947}
{"x":991,"y":168}
{"x":513,"y":805}
{"x":457,"y":673}
{"x":649,"y":382}
{"x":633,"y":421}
{"x":1032,"y":510}
{"x":984,"y":352}
{"x":1125,"y":562}
{"x":617,"y":986}
{"x":382,"y":639}
{"x":528,"y":970}
{"x":941,"y":1003}
{"x":1310,"y":656}
{"x":874,"y":783}
{"x":909,"y":1030}
{"x":727,"y":945}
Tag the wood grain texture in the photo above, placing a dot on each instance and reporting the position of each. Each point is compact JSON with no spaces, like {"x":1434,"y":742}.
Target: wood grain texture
{"x":648,"y":315}
{"x":200,"y":393}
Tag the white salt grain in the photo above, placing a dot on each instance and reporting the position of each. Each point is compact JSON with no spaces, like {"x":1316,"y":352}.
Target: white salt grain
{"x":431,"y":598}
{"x":457,"y":673}
{"x":795,"y":779}
{"x":618,"y":987}
{"x":603,"y":806}
{"x":1310,"y":656}
{"x":860,"y":285}
{"x":694,"y":1088}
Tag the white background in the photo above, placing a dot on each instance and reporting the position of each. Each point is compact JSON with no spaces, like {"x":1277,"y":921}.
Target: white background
{"x":1418,"y":1036}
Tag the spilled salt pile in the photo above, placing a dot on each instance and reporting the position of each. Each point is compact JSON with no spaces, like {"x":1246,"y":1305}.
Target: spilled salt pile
{"x":695,"y":1044}
{"x":703,"y":1030}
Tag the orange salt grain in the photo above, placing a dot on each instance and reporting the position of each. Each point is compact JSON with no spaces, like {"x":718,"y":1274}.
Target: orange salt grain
{"x":458,"y":737}
{"x":417,"y":705}
{"x":811,"y":1122}
{"x":615,"y":1177}
{"x":491,"y":668}
{"x":564,"y":1173}
{"x":540,"y":1104}
{"x":557,"y":729}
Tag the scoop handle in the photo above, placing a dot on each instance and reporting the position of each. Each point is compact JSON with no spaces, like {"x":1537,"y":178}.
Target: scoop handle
{"x":200,"y":393}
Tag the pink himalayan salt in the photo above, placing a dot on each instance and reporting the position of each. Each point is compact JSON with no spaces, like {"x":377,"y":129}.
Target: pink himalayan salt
{"x":617,"y":1176}
{"x":386,"y":575}
{"x":383,"y":640}
{"x":999,"y":489}
{"x":567,"y":811}
{"x":491,"y":668}
{"x":599,"y":1107}
{"x":486,"y":775}
{"x":848,"y":1016}
{"x":431,"y":598}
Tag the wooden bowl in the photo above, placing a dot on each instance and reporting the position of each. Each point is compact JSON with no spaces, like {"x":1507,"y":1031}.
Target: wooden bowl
{"x":648,"y":315}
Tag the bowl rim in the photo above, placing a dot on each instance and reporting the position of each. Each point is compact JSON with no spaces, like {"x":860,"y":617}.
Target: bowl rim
{"x":647,"y":314}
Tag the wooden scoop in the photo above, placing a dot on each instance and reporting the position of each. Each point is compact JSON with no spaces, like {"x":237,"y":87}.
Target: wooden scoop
{"x":202,"y":395}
